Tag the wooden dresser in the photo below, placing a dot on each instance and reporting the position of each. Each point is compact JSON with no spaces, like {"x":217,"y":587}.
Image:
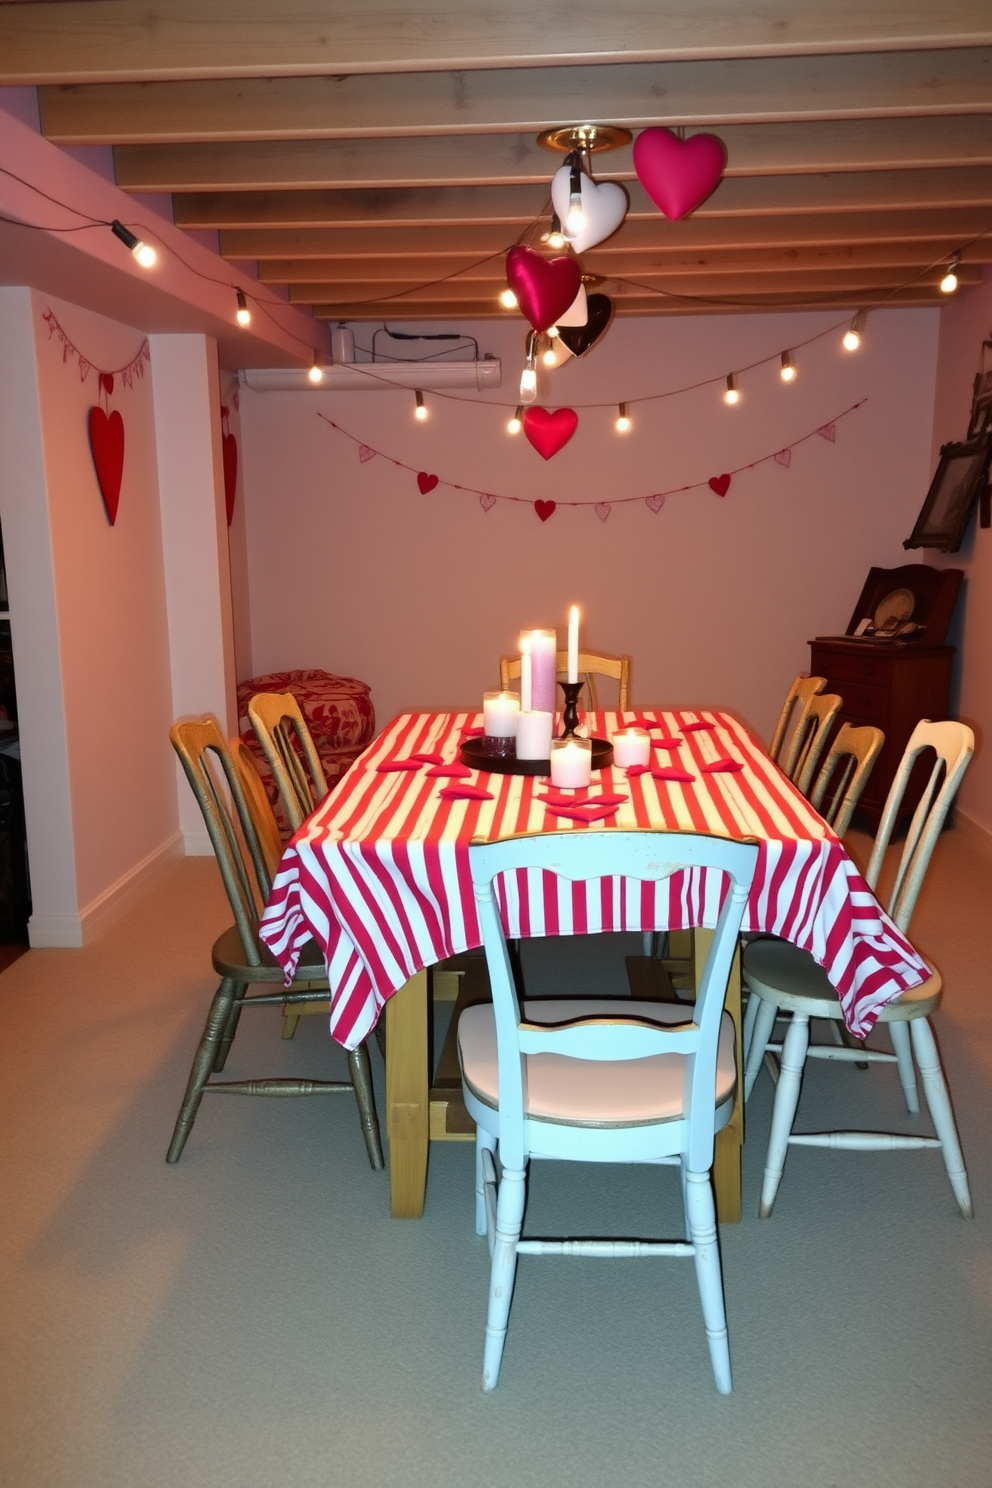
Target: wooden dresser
{"x":893,"y":683}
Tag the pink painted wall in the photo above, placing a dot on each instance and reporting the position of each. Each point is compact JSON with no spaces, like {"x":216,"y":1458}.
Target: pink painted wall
{"x":351,"y":569}
{"x":964,"y":324}
{"x":110,"y":597}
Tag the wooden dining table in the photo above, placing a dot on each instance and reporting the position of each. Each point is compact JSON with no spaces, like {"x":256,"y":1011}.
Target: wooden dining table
{"x":379,"y":876}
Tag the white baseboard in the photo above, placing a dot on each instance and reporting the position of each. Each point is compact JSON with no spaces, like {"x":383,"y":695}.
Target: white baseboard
{"x":197,"y":844}
{"x":974,"y":832}
{"x":74,"y":930}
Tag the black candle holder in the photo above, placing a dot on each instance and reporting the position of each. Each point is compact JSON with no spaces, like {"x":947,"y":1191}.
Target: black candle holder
{"x":570,"y":715}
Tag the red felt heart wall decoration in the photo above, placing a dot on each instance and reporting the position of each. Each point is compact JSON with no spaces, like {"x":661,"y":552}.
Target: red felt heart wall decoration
{"x":425,"y":482}
{"x":107,"y":446}
{"x":544,"y":287}
{"x":548,"y":431}
{"x":230,"y":452}
{"x":545,"y":509}
{"x":678,"y":175}
{"x":720,"y":484}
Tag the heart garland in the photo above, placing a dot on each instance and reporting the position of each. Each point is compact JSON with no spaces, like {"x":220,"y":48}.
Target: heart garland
{"x":783,"y":457}
{"x":604,"y":206}
{"x":545,"y":509}
{"x":720,"y":484}
{"x":602,"y":510}
{"x":549,"y":431}
{"x":678,"y":175}
{"x":107,"y":447}
{"x":426,"y":482}
{"x":599,"y":317}
{"x":544,"y":287}
{"x":655,"y":502}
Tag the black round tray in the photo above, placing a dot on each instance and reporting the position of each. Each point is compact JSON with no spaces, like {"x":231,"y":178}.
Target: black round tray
{"x":472,"y":752}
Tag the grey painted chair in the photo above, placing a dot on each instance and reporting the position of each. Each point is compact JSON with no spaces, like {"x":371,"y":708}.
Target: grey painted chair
{"x":239,"y":957}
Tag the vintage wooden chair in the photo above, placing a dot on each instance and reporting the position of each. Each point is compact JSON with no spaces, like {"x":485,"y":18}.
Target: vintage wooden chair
{"x":288,"y":746}
{"x":782,"y":978}
{"x":810,"y":738}
{"x":591,"y":666}
{"x":798,"y":695}
{"x":844,"y":773}
{"x":239,"y":957}
{"x":605,"y":1080}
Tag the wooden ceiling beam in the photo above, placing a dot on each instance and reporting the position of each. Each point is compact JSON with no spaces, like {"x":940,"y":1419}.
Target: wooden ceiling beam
{"x":948,"y":226}
{"x":522,"y":100}
{"x":514,"y":159}
{"x":79,"y":41}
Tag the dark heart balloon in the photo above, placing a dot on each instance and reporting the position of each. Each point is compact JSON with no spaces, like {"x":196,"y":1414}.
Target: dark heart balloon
{"x":580,"y":339}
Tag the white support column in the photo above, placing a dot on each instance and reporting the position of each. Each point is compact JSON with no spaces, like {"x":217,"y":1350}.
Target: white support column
{"x":186,"y":391}
{"x":34,"y":632}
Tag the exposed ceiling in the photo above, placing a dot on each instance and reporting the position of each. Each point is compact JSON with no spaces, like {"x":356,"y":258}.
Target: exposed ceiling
{"x":378,"y":160}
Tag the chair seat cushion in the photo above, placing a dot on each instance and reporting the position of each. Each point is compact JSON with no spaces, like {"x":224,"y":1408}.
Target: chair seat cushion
{"x":579,"y":1092}
{"x":783,"y":973}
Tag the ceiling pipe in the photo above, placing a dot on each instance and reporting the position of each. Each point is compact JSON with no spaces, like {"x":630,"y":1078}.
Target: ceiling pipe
{"x":375,"y":377}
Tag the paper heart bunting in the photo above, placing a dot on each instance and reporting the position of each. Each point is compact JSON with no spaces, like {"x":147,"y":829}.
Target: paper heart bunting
{"x":545,"y":509}
{"x":548,"y":431}
{"x":783,"y":457}
{"x":720,"y":484}
{"x":486,"y":501}
{"x":365,"y":452}
{"x":599,"y":317}
{"x":828,"y":431}
{"x":229,"y":452}
{"x":425,"y":482}
{"x":678,"y":175}
{"x":107,"y":447}
{"x":655,"y":502}
{"x":603,"y":509}
{"x":107,"y":382}
{"x":604,"y":206}
{"x":544,"y":287}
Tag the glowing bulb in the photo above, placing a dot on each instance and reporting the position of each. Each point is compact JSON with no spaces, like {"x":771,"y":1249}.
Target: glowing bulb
{"x":553,"y":331}
{"x":949,"y":283}
{"x":316,"y":373}
{"x":516,"y":422}
{"x":420,"y":412}
{"x":852,"y":336}
{"x":624,"y":421}
{"x":851,"y":341}
{"x":145,"y":254}
{"x":575,"y":218}
{"x":528,"y":385}
{"x":548,"y":357}
{"x":788,"y":371}
{"x":243,"y":316}
{"x":508,"y":299}
{"x":732,"y":395}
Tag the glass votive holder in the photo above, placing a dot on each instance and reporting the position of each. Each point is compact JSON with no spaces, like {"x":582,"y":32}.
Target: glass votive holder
{"x":631,"y":746}
{"x":534,"y":732}
{"x":571,"y":762}
{"x":500,"y":711}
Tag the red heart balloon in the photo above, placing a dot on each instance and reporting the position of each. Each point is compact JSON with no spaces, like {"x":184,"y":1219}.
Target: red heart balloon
{"x":425,"y":482}
{"x":544,"y":287}
{"x":550,"y":432}
{"x":545,"y":509}
{"x":720,"y":484}
{"x":230,"y":452}
{"x":107,"y":446}
{"x":678,"y":175}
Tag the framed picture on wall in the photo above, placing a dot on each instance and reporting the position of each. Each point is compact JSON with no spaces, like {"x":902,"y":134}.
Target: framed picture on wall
{"x":960,"y":480}
{"x":981,"y":405}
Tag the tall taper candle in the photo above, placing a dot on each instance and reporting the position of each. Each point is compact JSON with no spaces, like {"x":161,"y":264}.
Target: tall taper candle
{"x":573,"y":644}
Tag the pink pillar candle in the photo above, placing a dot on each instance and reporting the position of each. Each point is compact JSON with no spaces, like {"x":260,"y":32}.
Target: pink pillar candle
{"x":543,"y":669}
{"x":631,"y":746}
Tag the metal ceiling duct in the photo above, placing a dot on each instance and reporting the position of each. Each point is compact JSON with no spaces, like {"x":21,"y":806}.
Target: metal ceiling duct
{"x":340,"y":377}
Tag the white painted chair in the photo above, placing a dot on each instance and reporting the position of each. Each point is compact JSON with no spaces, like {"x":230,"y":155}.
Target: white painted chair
{"x":798,"y":695}
{"x":784,"y":979}
{"x":605,"y":1080}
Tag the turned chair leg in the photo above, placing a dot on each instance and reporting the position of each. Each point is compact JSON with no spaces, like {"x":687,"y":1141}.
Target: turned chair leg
{"x":509,"y":1221}
{"x":939,"y":1104}
{"x":204,"y":1062}
{"x":484,"y":1142}
{"x":701,"y":1224}
{"x":901,"y":1043}
{"x":761,"y":1031}
{"x":361,"y":1079}
{"x":784,"y":1111}
{"x":230,"y":1029}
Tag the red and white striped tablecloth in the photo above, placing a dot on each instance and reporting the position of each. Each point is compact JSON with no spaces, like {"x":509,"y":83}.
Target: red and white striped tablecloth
{"x":379,"y":874}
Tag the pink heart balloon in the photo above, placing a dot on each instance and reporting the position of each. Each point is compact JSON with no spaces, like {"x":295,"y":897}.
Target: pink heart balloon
{"x":544,"y":287}
{"x":550,"y":432}
{"x":678,"y":175}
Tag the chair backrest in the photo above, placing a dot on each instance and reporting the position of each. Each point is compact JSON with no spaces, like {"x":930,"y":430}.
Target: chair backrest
{"x":954,"y":745}
{"x":280,"y":727}
{"x":212,"y":773}
{"x":591,"y":665}
{"x":644,"y":856}
{"x":259,"y":806}
{"x":845,"y":772}
{"x":798,"y":695}
{"x":810,"y":738}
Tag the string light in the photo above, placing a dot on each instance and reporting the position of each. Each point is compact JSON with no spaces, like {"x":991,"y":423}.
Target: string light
{"x":788,"y":369}
{"x":852,"y":336}
{"x":508,"y":299}
{"x":420,"y":412}
{"x":316,"y":373}
{"x":243,"y":316}
{"x":517,"y":421}
{"x":528,"y":377}
{"x":949,"y":283}
{"x":575,"y":217}
{"x":732,"y":395}
{"x":144,"y":253}
{"x":549,"y":356}
{"x":556,"y":238}
{"x":624,"y":421}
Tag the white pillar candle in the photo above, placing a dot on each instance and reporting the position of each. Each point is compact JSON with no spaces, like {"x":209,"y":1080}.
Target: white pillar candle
{"x":631,"y":746}
{"x":500,"y":711}
{"x":573,"y":644}
{"x":525,"y":676}
{"x":571,"y":762}
{"x":544,"y":669}
{"x":534,"y":732}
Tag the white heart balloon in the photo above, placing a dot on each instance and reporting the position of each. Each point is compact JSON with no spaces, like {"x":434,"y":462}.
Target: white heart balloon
{"x":578,"y":311}
{"x":604,"y":205}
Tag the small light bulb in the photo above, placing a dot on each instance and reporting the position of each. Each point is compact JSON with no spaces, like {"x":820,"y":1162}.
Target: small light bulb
{"x":788,"y":371}
{"x":732,"y":395}
{"x":145,"y":254}
{"x":548,"y":357}
{"x":624,"y":421}
{"x":516,"y":422}
{"x":851,"y":339}
{"x":949,"y":283}
{"x":528,"y":385}
{"x":575,"y":219}
{"x":420,"y":412}
{"x":316,"y":373}
{"x":553,"y":331}
{"x":243,"y":316}
{"x":556,"y":238}
{"x":508,"y":299}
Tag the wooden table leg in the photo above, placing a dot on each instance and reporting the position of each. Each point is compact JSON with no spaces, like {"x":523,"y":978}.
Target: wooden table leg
{"x":407,"y":1108}
{"x":727,"y":1159}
